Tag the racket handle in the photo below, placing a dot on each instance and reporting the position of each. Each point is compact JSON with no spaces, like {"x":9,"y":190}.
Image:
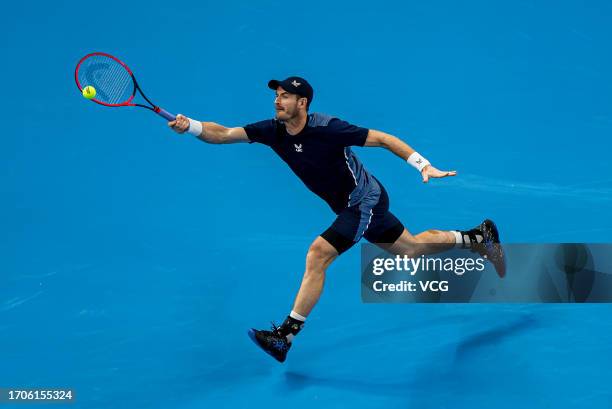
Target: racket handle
{"x":162,"y":112}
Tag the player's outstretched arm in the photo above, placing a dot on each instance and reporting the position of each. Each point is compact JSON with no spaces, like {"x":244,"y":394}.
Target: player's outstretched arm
{"x":209,"y":132}
{"x":403,"y":150}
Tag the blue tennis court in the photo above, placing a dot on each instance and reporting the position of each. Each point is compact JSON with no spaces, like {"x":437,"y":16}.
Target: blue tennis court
{"x":134,"y":259}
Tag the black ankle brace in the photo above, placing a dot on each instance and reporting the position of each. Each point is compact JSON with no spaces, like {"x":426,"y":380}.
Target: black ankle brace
{"x":290,"y":326}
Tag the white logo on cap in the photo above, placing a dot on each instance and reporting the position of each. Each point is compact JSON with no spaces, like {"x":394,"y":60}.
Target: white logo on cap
{"x":295,"y":83}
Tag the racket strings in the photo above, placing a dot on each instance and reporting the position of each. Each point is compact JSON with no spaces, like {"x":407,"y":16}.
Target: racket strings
{"x":113,"y":83}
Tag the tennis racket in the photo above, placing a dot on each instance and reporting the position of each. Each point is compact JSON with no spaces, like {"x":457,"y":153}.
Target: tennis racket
{"x":114,"y":82}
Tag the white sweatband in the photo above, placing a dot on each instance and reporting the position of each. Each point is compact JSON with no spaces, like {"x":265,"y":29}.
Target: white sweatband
{"x":195,"y":127}
{"x":417,"y":161}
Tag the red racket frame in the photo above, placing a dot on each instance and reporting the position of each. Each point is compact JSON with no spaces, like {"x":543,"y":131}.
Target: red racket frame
{"x":128,"y":102}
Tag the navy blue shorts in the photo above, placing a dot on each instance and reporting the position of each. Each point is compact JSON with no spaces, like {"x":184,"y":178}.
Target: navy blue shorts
{"x":370,"y":218}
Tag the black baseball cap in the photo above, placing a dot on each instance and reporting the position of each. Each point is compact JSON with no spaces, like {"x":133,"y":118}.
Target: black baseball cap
{"x":294,"y":85}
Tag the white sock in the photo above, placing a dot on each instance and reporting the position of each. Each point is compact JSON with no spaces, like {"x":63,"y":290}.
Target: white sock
{"x":297,"y":316}
{"x":458,"y":237}
{"x":463,"y":240}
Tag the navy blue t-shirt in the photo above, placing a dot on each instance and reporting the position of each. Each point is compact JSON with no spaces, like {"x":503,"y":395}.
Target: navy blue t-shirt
{"x":320,"y":155}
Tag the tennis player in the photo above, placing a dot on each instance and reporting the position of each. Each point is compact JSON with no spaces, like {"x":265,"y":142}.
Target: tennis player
{"x":317,"y":148}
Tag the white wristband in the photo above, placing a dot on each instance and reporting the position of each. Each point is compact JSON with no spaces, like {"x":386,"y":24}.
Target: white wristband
{"x":417,"y":161}
{"x":195,"y":127}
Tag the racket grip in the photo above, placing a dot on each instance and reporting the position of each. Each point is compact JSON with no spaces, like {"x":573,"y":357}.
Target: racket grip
{"x":162,"y":112}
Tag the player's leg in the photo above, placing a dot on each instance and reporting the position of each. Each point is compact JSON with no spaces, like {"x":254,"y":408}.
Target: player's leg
{"x":389,"y":233}
{"x":483,"y":239}
{"x":427,"y":242}
{"x":346,"y":230}
{"x":320,"y":255}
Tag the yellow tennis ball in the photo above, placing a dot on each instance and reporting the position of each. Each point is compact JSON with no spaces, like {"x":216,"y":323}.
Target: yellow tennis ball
{"x":89,"y":92}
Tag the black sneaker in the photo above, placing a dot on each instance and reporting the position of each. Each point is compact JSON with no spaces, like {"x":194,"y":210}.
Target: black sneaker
{"x":271,"y":342}
{"x":490,"y":247}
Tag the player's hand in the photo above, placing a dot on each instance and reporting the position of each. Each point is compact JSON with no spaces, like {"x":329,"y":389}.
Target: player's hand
{"x":180,"y":124}
{"x":431,"y":172}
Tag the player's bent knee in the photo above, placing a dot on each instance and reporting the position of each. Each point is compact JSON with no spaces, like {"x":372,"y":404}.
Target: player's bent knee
{"x":320,"y":251}
{"x":411,"y":252}
{"x":406,"y":245}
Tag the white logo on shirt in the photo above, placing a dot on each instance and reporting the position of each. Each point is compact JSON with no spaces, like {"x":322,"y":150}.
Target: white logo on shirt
{"x":298,"y":148}
{"x":296,"y":84}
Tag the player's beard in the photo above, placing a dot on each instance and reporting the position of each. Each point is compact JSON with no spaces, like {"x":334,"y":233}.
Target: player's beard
{"x":287,"y":114}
